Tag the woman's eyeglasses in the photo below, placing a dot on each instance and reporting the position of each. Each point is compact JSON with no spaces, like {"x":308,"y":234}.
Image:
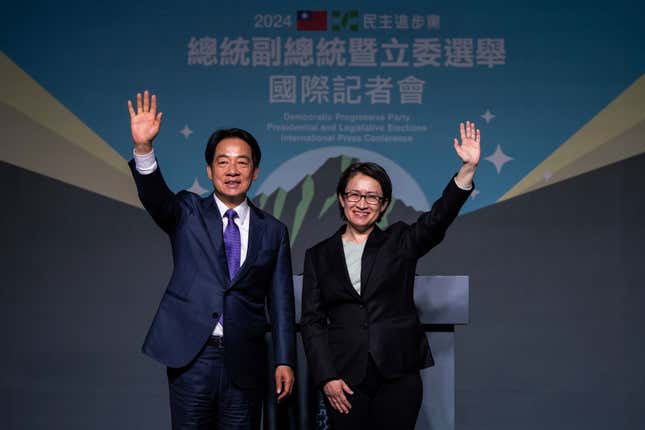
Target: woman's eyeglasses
{"x":354,"y":197}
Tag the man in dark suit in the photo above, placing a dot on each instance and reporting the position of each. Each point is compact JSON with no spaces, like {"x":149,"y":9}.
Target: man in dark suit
{"x":229,"y":257}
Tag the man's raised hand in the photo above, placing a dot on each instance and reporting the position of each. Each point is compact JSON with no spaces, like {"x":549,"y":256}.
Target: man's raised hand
{"x":145,"y":122}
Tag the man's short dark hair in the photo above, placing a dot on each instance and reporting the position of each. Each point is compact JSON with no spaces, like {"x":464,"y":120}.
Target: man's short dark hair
{"x":372,"y":170}
{"x":225,"y":133}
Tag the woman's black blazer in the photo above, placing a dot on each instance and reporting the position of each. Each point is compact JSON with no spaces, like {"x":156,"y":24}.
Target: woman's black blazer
{"x":340,"y":327}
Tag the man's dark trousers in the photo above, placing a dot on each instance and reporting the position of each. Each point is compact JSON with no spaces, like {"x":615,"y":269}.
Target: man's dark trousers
{"x":203,"y":396}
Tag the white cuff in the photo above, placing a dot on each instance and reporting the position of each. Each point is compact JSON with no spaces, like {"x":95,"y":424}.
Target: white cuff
{"x":462,"y":187}
{"x":146,"y":163}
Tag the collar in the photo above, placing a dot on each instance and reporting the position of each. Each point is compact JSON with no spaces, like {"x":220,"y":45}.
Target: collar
{"x":242,"y":209}
{"x":374,"y":234}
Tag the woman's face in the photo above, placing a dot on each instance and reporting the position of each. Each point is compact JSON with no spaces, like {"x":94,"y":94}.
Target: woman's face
{"x":361,"y":214}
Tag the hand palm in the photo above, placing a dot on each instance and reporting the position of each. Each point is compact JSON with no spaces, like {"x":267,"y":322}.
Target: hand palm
{"x":469,"y":149}
{"x":144,"y":127}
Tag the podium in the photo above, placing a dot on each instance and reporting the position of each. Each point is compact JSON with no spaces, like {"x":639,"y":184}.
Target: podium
{"x":442,"y":303}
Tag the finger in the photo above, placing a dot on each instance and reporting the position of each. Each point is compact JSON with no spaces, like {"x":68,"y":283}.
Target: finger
{"x":146,"y":101}
{"x":456,"y":145}
{"x":130,"y":109}
{"x":334,"y":404}
{"x":279,"y":380}
{"x":477,"y":137}
{"x":158,"y":119}
{"x":280,"y":389}
{"x":345,"y":403}
{"x":282,"y":396}
{"x":289,"y":386}
{"x":153,"y":105}
{"x":341,"y":407}
{"x":472,"y":130}
{"x":139,"y":104}
{"x":462,"y":131}
{"x":468,"y":129}
{"x":459,"y":151}
{"x":346,"y":388}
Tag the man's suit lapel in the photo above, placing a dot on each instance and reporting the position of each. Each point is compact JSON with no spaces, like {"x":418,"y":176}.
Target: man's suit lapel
{"x":336,"y":258}
{"x":257,"y":225}
{"x":370,"y":252}
{"x":213,"y":221}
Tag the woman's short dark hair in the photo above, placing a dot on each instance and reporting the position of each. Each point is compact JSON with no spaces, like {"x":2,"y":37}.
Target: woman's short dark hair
{"x":225,"y":133}
{"x":372,"y":170}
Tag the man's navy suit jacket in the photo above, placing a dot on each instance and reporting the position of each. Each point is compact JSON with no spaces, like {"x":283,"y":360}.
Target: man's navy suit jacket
{"x":200,"y":290}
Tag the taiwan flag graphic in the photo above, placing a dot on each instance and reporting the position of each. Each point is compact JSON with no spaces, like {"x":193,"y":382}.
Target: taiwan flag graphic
{"x":312,"y":20}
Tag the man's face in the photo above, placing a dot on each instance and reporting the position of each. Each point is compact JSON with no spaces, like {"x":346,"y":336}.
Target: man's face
{"x":232,"y":171}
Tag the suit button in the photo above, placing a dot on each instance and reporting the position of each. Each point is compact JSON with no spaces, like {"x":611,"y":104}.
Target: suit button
{"x":362,"y":306}
{"x":215,"y":315}
{"x":364,"y":326}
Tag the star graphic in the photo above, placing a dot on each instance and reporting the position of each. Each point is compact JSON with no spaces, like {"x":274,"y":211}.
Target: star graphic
{"x":498,"y":158}
{"x":197,"y":188}
{"x":475,"y":193}
{"x":547,"y":175}
{"x":488,"y":116}
{"x":186,"y":131}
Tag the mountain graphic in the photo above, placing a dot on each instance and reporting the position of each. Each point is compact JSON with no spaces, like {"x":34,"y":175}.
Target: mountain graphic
{"x":310,"y":208}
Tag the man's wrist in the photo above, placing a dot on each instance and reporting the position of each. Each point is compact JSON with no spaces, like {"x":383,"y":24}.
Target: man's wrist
{"x":282,"y":364}
{"x":142,"y":148}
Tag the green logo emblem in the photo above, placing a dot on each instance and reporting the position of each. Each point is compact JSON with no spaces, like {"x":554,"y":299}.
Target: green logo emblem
{"x":344,"y":20}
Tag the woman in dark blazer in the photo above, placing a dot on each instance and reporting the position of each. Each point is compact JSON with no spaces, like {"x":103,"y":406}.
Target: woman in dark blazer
{"x":360,"y":328}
